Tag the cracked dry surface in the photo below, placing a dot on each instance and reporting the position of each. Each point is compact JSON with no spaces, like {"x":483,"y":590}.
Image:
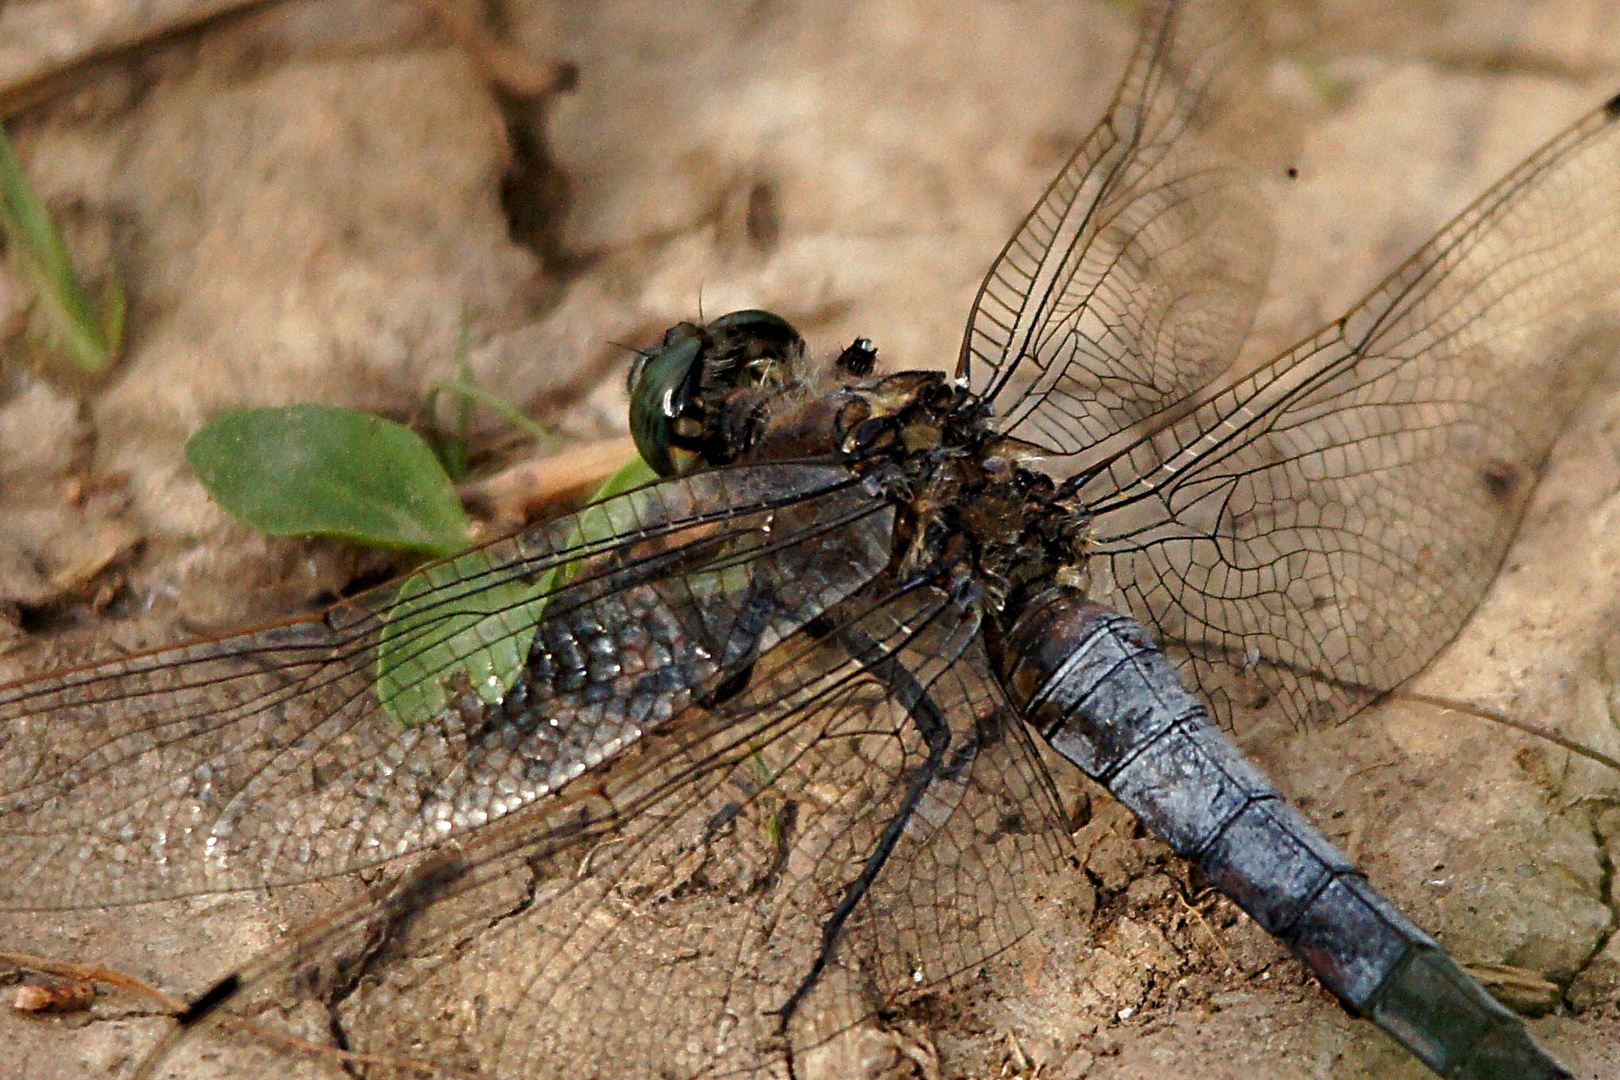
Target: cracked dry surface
{"x":305,"y":201}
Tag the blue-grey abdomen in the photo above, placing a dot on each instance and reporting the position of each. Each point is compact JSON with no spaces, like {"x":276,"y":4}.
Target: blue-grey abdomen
{"x":1106,"y":698}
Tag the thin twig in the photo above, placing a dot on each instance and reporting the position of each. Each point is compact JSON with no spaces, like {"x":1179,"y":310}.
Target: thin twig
{"x":174,"y":1006}
{"x":512,"y":496}
{"x":1528,"y":727}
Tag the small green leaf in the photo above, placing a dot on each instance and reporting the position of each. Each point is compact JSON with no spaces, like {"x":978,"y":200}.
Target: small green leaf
{"x":319,"y":470}
{"x":89,"y":338}
{"x":467,"y":624}
{"x":457,"y":625}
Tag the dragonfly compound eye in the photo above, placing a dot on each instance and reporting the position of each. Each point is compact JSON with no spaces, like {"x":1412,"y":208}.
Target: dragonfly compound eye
{"x":660,"y":395}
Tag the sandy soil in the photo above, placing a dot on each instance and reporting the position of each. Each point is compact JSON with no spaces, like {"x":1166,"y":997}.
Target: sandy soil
{"x":304,"y":199}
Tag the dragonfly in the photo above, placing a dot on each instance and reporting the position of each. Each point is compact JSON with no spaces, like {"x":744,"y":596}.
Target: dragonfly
{"x":778,"y":751}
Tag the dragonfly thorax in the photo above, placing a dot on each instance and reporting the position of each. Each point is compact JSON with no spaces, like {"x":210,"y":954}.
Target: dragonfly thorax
{"x":969,"y":509}
{"x":967,"y":504}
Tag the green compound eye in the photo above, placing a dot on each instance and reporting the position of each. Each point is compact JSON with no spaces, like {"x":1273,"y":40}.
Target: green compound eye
{"x":702,"y":397}
{"x":660,"y":390}
{"x":761,"y":324}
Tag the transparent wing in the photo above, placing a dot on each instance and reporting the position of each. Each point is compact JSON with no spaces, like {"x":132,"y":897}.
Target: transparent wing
{"x":1328,"y":523}
{"x":267,"y":758}
{"x":739,"y":889}
{"x":1133,"y":281}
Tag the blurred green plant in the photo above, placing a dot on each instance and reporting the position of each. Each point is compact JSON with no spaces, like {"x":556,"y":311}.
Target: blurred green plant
{"x":88,"y":336}
{"x":450,"y":441}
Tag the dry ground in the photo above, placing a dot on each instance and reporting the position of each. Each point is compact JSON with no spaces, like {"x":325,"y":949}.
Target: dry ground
{"x":305,"y":198}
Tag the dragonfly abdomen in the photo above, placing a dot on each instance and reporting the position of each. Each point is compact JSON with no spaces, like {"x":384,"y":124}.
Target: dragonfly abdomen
{"x":1107,"y":699}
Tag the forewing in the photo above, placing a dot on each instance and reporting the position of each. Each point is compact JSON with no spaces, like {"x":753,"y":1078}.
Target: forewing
{"x":1133,"y":281}
{"x":656,"y":921}
{"x":266,"y":758}
{"x":1328,"y":524}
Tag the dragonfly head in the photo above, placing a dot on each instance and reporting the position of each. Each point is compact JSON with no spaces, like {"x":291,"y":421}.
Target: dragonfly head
{"x":702,"y":398}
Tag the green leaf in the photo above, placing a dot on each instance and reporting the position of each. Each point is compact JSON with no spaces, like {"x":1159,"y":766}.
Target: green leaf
{"x":468,"y":624}
{"x":88,"y":337}
{"x":320,"y":470}
{"x":632,"y":474}
{"x":457,"y":625}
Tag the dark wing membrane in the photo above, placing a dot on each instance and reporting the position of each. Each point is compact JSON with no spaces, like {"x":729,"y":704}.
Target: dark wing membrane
{"x":1133,"y":281}
{"x":266,"y":758}
{"x":657,"y":922}
{"x":1328,"y":523}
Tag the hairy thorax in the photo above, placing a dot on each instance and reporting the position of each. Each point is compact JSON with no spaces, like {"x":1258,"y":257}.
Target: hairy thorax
{"x":968,"y":507}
